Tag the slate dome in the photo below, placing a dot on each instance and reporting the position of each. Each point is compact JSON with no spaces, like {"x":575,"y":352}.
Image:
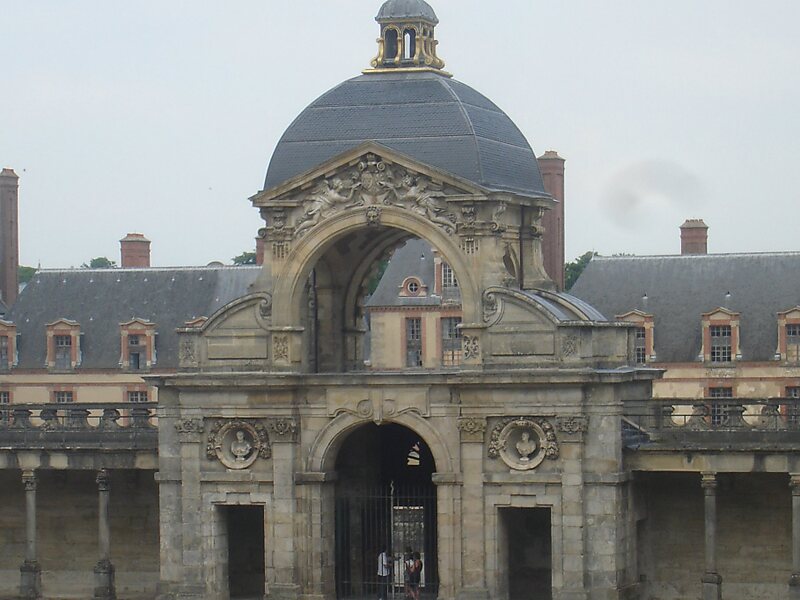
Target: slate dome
{"x":406,"y":9}
{"x":425,"y":115}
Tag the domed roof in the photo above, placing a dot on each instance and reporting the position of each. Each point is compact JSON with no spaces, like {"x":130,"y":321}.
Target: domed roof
{"x":427,"y":116}
{"x":406,"y":9}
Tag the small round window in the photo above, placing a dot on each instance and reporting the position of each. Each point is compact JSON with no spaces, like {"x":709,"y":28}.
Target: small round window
{"x":413,"y":287}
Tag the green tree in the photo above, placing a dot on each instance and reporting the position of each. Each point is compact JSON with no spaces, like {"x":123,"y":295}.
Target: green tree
{"x":25,"y":274}
{"x":99,"y":262}
{"x":573,"y":270}
{"x":245,"y":258}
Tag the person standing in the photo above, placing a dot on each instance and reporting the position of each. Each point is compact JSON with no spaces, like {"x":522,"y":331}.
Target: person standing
{"x":384,"y":574}
{"x":415,"y":575}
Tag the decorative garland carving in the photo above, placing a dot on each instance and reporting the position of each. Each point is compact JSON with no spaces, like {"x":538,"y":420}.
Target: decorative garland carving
{"x":523,"y":443}
{"x":283,"y":427}
{"x":238,"y":443}
{"x":191,"y":426}
{"x":472,"y":428}
{"x":572,"y":425}
{"x":371,"y":183}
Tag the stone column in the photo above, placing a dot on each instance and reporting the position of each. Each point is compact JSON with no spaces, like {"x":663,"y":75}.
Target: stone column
{"x":712,"y":582}
{"x":794,"y":581}
{"x":286,"y":584}
{"x":104,"y":570}
{"x":30,"y":571}
{"x":473,"y":552}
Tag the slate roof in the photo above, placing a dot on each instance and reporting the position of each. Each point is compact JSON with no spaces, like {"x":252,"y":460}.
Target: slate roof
{"x":427,"y":116}
{"x":406,"y":9}
{"x":680,"y":289}
{"x":414,"y":258}
{"x":100,"y":299}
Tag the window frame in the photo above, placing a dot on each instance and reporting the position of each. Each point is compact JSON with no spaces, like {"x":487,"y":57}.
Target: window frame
{"x":413,"y":343}
{"x":451,"y":345}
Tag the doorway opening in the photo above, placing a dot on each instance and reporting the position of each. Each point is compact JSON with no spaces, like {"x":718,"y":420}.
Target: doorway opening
{"x":246,"y":573}
{"x":526,"y":554}
{"x":385,"y":501}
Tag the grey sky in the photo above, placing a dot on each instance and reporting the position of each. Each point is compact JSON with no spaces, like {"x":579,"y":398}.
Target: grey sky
{"x":161,"y":117}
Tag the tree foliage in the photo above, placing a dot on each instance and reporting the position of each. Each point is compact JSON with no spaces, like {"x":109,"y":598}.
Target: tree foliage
{"x":25,"y":274}
{"x":99,"y":262}
{"x":573,"y":270}
{"x":245,"y":258}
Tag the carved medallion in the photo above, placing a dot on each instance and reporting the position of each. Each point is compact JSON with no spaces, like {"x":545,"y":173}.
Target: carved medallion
{"x":238,"y":444}
{"x":523,"y":443}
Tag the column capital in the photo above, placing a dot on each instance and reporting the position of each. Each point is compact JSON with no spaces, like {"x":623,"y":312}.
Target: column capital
{"x":709,"y":481}
{"x":794,"y":483}
{"x":29,"y":480}
{"x":103,"y":480}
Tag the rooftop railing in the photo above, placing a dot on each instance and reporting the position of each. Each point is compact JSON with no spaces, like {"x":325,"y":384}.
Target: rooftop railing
{"x":117,"y":425}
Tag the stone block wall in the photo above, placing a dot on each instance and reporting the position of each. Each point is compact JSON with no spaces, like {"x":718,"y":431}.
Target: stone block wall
{"x":754,"y":528}
{"x":67,"y":513}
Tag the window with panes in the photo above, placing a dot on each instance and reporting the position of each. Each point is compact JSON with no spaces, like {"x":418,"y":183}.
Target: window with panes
{"x":720,"y":343}
{"x":719,"y":408}
{"x":62,"y":397}
{"x":135,"y":352}
{"x":5,"y":400}
{"x":413,"y":342}
{"x":63,"y":351}
{"x":793,"y":407}
{"x":137,"y":396}
{"x":4,"y":349}
{"x":640,"y":346}
{"x":451,"y":341}
{"x":793,"y":342}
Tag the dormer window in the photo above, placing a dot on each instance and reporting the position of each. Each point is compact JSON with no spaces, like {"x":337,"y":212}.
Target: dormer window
{"x":137,"y":345}
{"x":643,"y":348}
{"x":793,"y":342}
{"x":63,"y":345}
{"x":413,"y":286}
{"x":8,"y":345}
{"x":789,"y":336}
{"x":721,"y":337}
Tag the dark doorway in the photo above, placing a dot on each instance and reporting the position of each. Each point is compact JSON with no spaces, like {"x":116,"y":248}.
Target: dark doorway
{"x":528,"y":553}
{"x":245,"y":551}
{"x":385,"y":500}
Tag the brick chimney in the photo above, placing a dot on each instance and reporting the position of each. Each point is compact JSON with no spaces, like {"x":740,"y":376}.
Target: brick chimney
{"x":9,"y":236}
{"x":694,"y":237}
{"x":134,"y":251}
{"x":551,"y":165}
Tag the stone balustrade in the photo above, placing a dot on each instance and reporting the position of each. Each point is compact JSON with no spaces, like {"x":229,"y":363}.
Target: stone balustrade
{"x":80,"y":426}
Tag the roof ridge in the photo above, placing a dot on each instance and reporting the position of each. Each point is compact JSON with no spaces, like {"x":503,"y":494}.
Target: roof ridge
{"x":699,"y":256}
{"x":147,"y":269}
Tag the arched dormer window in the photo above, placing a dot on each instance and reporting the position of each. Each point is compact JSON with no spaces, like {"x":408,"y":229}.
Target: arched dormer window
{"x":390,"y":37}
{"x":409,"y":44}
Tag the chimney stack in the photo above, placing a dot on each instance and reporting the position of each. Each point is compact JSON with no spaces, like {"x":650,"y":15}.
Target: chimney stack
{"x":9,"y":236}
{"x":134,"y":251}
{"x":551,"y":166}
{"x":694,"y":237}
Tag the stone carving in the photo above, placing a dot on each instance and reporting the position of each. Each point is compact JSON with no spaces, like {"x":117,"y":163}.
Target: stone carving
{"x":280,"y":347}
{"x":103,"y":481}
{"x":572,"y":424}
{"x":570,"y":347}
{"x":372,"y":183}
{"x":29,"y":480}
{"x":491,"y":306}
{"x":377,"y":409}
{"x":283,"y":427}
{"x":189,"y":426}
{"x":238,"y":444}
{"x":470,"y":245}
{"x":497,"y":226}
{"x":523,"y":443}
{"x":472,"y":428}
{"x":469,"y":215}
{"x":472,"y":346}
{"x":265,"y":307}
{"x":186,"y":352}
{"x":373,"y":215}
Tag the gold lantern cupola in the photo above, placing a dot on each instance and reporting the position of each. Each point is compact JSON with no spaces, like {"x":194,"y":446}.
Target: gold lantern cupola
{"x":407,"y":41}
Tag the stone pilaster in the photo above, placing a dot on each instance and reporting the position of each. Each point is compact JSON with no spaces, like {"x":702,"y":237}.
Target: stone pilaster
{"x":712,"y":582}
{"x":192,"y":583}
{"x":104,"y":569}
{"x":30,"y":571}
{"x":473,"y":546}
{"x":169,"y":495}
{"x":794,"y":581}
{"x":285,"y":585}
{"x":317,"y":491}
{"x":448,"y":509}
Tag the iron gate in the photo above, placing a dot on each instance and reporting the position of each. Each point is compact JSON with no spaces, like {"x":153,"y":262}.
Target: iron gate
{"x":398,"y":519}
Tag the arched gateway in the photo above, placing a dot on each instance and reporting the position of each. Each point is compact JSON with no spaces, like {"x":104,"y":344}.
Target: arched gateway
{"x":287,"y":462}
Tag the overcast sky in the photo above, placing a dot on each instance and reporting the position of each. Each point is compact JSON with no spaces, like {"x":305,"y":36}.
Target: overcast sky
{"x":160,"y":116}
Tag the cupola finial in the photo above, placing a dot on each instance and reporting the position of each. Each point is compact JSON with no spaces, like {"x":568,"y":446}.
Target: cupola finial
{"x":407,"y":40}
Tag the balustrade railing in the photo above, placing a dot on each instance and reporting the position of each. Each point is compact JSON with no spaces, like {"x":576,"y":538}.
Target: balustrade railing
{"x":738,"y":418}
{"x":88,"y":424}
